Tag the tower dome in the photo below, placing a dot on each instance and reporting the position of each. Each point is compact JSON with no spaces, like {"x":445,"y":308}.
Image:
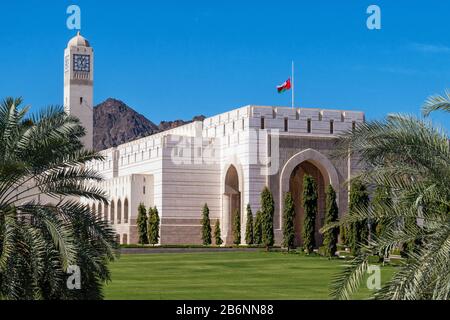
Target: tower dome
{"x":78,"y":41}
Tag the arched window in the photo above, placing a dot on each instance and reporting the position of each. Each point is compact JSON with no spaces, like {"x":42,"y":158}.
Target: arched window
{"x":125,"y":211}
{"x":99,"y":211}
{"x":119,"y":212}
{"x":112,"y":213}
{"x":105,"y":212}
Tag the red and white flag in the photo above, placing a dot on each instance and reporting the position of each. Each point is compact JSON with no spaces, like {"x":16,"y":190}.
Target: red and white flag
{"x":285,"y":86}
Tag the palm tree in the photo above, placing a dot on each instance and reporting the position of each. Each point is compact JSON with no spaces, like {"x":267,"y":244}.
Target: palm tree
{"x":411,"y":158}
{"x":43,"y":228}
{"x":437,"y":102}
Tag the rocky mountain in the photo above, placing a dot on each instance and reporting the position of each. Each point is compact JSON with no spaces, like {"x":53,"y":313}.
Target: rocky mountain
{"x":116,"y":123}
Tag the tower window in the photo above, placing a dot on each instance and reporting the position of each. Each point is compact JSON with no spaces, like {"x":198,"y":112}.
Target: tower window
{"x":262,"y":123}
{"x":308,"y":126}
{"x":331,"y":127}
{"x":286,"y":124}
{"x":353,"y":126}
{"x":81,"y":100}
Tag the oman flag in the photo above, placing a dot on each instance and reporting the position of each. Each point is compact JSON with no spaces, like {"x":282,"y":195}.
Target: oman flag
{"x":285,"y":86}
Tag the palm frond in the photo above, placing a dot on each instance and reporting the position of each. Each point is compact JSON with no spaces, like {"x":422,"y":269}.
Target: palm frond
{"x":437,"y":102}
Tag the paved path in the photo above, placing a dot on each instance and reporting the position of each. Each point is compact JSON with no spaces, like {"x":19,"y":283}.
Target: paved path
{"x":186,"y":250}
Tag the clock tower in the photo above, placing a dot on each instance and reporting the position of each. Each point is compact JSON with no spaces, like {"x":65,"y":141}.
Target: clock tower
{"x":79,"y":84}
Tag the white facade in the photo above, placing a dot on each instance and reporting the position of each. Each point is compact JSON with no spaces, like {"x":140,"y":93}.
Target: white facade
{"x":224,"y":161}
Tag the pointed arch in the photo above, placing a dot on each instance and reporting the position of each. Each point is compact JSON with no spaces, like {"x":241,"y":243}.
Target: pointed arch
{"x":319,"y":160}
{"x":119,"y":211}
{"x":125,"y":211}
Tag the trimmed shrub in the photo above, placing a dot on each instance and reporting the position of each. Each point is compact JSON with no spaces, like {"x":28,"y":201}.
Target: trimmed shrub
{"x":217,"y":234}
{"x":153,"y":226}
{"x":343,"y":232}
{"x":358,"y":231}
{"x":267,"y":209}
{"x":142,"y":224}
{"x":206,"y":226}
{"x":249,"y":236}
{"x":237,"y":227}
{"x":257,"y":230}
{"x":330,"y":237}
{"x":288,"y":222}
{"x":310,"y":211}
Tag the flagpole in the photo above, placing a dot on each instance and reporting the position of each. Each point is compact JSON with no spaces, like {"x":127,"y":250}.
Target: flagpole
{"x":293,"y":86}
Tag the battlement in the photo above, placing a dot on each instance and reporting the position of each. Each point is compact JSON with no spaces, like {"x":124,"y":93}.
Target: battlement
{"x":295,"y":121}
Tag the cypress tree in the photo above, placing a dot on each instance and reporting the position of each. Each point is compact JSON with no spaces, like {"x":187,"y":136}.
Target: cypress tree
{"x":267,"y":209}
{"x":249,"y":237}
{"x":330,"y":237}
{"x":257,"y":235}
{"x":358,"y":231}
{"x":153,"y":226}
{"x":142,"y":224}
{"x":343,"y":232}
{"x":217,"y":234}
{"x":310,"y":211}
{"x":206,"y":226}
{"x":237,"y":227}
{"x":288,"y":221}
{"x":381,"y":201}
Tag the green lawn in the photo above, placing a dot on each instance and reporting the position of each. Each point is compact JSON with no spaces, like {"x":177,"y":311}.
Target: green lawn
{"x":224,"y":275}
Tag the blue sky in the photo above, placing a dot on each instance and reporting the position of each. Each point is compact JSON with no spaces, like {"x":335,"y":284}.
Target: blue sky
{"x":177,"y":59}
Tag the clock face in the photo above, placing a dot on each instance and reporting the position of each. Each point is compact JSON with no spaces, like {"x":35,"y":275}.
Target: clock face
{"x":81,"y":62}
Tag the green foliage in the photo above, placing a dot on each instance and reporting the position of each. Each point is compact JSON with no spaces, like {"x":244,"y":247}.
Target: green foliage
{"x":288,"y":221}
{"x":153,"y":226}
{"x":249,"y":236}
{"x":267,"y":211}
{"x":142,"y":224}
{"x":330,"y":237}
{"x":343,"y":232}
{"x":217,"y":234}
{"x":206,"y":226}
{"x":411,"y":158}
{"x":310,"y":197}
{"x":237,"y":227}
{"x":42,"y":156}
{"x":258,"y":228}
{"x":359,"y":230}
{"x":381,"y":202}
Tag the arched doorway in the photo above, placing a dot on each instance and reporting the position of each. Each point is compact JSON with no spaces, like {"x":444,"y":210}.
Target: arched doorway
{"x":316,"y":164}
{"x":231,"y":201}
{"x":296,"y":189}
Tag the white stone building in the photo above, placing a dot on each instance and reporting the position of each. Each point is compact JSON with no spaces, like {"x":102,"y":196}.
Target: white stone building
{"x":224,"y":161}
